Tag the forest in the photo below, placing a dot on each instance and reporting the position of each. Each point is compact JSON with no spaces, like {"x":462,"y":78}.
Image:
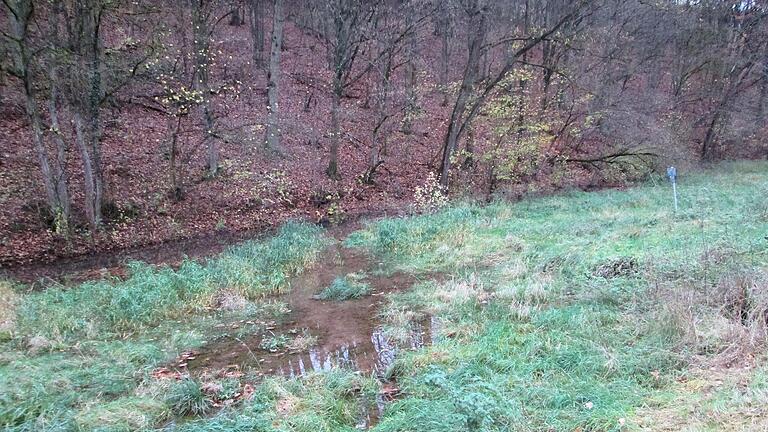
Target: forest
{"x":393,"y":215}
{"x":128,"y":124}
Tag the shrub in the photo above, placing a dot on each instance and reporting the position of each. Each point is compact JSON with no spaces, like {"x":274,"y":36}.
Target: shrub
{"x":273,"y":343}
{"x":430,"y":197}
{"x":229,"y":389}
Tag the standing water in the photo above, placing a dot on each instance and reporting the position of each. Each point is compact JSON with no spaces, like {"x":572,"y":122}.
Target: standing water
{"x":346,"y":334}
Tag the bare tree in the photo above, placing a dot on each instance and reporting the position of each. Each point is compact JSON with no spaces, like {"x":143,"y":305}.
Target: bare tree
{"x":476,"y":12}
{"x":201,"y":32}
{"x":345,"y":32}
{"x":410,"y":69}
{"x":393,"y":39}
{"x":465,"y":110}
{"x":731,"y":73}
{"x":85,"y":95}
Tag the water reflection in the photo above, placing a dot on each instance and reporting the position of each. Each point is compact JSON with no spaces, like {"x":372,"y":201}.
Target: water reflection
{"x":377,"y":357}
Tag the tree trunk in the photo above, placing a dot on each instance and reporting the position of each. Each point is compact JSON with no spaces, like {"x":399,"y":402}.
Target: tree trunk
{"x":91,"y":183}
{"x":213,"y":145}
{"x":469,"y":160}
{"x":522,"y":84}
{"x":763,"y":102}
{"x":91,"y":151}
{"x":54,"y":178}
{"x":273,"y":128}
{"x":333,"y":162}
{"x":235,"y":19}
{"x":177,"y":190}
{"x":444,"y":24}
{"x":257,"y":31}
{"x":49,"y":183}
{"x":382,"y":96}
{"x":201,"y":47}
{"x":477,"y":21}
{"x":62,"y":189}
{"x":410,"y":78}
{"x":707,"y":153}
{"x":374,"y":160}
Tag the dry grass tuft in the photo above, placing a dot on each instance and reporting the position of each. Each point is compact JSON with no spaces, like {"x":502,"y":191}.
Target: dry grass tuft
{"x":463,"y":290}
{"x":722,"y":326}
{"x":727,"y":400}
{"x":8,"y":301}
{"x":229,"y":300}
{"x":741,"y":323}
{"x":302,"y":342}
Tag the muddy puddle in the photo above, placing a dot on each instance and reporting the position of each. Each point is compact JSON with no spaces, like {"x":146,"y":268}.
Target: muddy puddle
{"x":334,"y":334}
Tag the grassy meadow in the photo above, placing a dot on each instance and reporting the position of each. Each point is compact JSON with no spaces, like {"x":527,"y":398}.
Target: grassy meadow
{"x":600,"y":311}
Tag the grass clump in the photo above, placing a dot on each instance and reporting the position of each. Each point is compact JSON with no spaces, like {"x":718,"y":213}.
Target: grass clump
{"x":8,"y":301}
{"x":188,"y":397}
{"x":274,"y":343}
{"x":351,"y":286}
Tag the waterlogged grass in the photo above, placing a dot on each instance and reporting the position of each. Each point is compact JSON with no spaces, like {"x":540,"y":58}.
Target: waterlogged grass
{"x":81,"y":358}
{"x":603,"y":311}
{"x":150,"y":295}
{"x":333,"y":401}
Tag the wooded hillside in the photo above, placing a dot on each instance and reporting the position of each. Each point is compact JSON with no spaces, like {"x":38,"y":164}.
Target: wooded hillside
{"x":134,"y":123}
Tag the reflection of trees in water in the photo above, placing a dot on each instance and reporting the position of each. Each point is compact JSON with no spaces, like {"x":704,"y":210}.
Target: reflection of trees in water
{"x":378,"y":356}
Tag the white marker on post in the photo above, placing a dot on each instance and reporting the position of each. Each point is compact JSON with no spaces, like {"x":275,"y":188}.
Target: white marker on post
{"x":672,"y":174}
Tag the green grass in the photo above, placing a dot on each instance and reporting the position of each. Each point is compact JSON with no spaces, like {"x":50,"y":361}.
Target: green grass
{"x":604,"y":311}
{"x":151,"y":295}
{"x":351,"y":286}
{"x":327,"y":402}
{"x":187,"y":397}
{"x":572,"y":312}
{"x":99,"y":341}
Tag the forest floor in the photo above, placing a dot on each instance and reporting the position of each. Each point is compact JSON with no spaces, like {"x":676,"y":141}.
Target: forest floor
{"x":603,"y":311}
